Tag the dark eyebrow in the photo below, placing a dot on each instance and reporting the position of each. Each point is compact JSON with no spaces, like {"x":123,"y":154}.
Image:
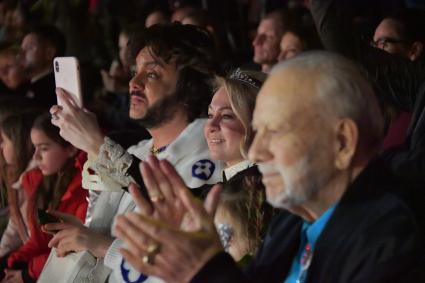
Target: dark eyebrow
{"x":153,"y":64}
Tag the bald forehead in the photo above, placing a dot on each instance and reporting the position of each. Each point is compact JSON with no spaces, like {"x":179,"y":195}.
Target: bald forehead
{"x":285,"y":94}
{"x":291,"y":83}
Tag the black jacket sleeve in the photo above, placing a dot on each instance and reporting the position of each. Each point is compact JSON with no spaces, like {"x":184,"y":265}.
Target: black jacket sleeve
{"x":221,"y":268}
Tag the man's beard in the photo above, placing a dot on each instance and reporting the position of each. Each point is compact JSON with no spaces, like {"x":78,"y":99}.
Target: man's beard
{"x":161,"y":112}
{"x":301,"y":183}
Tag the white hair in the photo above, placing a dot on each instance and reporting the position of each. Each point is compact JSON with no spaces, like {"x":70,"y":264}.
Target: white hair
{"x":343,"y":90}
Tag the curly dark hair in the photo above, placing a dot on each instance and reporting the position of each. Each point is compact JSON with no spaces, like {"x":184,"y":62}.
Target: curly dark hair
{"x":193,"y":50}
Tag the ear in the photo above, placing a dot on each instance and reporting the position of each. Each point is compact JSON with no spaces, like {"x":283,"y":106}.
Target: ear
{"x":415,"y":50}
{"x":347,"y":135}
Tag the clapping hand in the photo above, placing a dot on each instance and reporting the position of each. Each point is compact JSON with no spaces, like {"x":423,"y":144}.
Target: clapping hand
{"x":158,"y":246}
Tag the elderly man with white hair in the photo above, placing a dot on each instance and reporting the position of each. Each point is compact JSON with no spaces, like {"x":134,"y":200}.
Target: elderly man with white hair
{"x":318,"y":131}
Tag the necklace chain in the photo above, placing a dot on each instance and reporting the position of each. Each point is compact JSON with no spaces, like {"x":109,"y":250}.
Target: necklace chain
{"x":156,"y":151}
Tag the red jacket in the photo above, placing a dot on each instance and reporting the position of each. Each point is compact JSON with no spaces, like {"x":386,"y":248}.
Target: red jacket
{"x":35,"y":251}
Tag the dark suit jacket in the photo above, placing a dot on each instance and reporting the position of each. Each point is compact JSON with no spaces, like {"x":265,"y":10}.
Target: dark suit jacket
{"x":371,"y":237}
{"x":42,"y":91}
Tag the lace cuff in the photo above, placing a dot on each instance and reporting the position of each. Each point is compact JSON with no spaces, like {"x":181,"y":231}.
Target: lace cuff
{"x":113,"y":161}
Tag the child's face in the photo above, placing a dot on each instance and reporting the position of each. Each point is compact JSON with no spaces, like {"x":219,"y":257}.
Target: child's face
{"x":7,"y":149}
{"x":50,"y":156}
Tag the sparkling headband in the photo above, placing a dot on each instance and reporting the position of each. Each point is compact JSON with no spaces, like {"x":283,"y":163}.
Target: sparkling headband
{"x":225,"y":231}
{"x":244,"y":78}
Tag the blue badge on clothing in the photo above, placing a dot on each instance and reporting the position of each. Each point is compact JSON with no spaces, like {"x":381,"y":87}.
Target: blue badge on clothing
{"x":203,"y":169}
{"x":130,"y":275}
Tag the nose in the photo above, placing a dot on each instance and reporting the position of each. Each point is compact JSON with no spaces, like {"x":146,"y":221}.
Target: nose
{"x":213,"y":124}
{"x":380,"y":45}
{"x":258,"y":40}
{"x":136,"y":83}
{"x":37,"y":155}
{"x":259,"y":149}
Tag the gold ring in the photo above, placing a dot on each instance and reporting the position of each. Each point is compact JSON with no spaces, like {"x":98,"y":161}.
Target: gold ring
{"x":157,"y":197}
{"x":148,"y":259}
{"x":152,"y":251}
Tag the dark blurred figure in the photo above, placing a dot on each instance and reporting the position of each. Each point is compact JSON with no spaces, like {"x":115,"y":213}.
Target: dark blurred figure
{"x":203,"y":19}
{"x":181,"y":12}
{"x":157,"y":16}
{"x":266,"y":42}
{"x":39,"y":47}
{"x":11,"y":72}
{"x":402,"y":34}
{"x":298,"y":39}
{"x":14,"y":18}
{"x":112,"y":104}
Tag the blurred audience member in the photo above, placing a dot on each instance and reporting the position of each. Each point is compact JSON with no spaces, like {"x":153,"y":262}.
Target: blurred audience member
{"x":181,"y":12}
{"x":401,"y":35}
{"x":202,"y":19}
{"x":112,"y":105}
{"x":266,"y":42}
{"x":11,"y":72}
{"x":17,"y":152}
{"x":15,"y":21}
{"x":157,"y":16}
{"x":39,"y":47}
{"x":298,"y":39}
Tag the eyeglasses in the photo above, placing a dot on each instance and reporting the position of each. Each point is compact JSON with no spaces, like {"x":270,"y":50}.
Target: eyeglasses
{"x":385,"y":42}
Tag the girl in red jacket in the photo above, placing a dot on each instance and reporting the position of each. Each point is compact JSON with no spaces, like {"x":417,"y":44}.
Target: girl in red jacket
{"x":54,"y":185}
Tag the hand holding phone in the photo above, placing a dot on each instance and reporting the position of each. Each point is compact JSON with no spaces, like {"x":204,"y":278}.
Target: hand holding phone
{"x":45,"y":217}
{"x":67,"y":77}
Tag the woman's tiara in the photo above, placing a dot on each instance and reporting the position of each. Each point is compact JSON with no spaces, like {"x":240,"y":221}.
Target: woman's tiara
{"x":246,"y":79}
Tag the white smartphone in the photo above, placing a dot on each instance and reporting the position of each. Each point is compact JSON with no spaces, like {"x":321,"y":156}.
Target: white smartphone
{"x":67,"y":77}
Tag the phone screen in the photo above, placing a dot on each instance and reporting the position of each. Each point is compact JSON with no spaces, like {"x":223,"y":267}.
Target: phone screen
{"x":45,"y":217}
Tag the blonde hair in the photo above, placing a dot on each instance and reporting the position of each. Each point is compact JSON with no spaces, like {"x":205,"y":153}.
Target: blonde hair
{"x":242,"y":96}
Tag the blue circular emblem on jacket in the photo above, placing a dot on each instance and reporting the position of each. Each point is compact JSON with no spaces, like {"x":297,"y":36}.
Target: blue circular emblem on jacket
{"x":203,"y":169}
{"x":130,"y":275}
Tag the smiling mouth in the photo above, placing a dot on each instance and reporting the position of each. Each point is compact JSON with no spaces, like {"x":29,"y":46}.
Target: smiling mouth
{"x":215,"y":141}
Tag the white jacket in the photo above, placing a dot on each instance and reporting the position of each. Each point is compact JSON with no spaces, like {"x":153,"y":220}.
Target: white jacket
{"x":190,"y":156}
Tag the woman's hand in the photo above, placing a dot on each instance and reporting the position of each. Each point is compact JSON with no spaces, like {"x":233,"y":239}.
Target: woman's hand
{"x":159,"y":247}
{"x":78,"y":126}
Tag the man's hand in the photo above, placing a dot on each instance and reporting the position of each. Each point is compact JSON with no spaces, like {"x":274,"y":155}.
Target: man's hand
{"x":77,"y":126}
{"x":72,"y":236}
